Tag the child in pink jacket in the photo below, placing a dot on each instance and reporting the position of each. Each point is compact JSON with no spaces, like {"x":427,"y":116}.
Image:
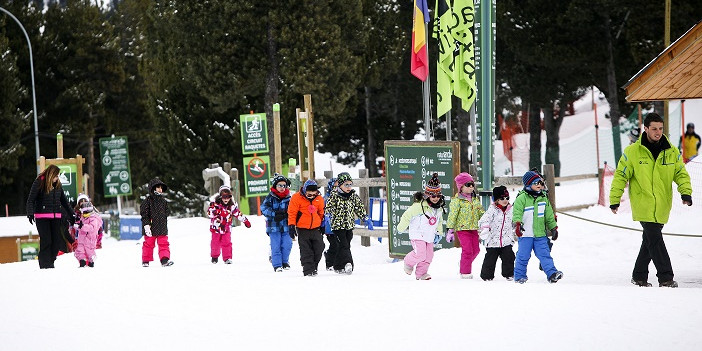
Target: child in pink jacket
{"x":87,"y":226}
{"x":221,"y":212}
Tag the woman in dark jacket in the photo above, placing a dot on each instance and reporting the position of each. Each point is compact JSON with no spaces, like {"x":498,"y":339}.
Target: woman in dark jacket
{"x":46,"y":204}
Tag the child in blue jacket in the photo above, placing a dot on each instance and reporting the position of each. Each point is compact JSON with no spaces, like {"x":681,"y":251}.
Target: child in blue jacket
{"x":275,"y":209}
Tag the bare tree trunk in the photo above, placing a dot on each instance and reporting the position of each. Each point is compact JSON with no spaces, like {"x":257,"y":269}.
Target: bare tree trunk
{"x":612,"y":89}
{"x":371,"y":152}
{"x":552,"y":124}
{"x":271,"y":87}
{"x":91,"y":170}
{"x":535,"y":136}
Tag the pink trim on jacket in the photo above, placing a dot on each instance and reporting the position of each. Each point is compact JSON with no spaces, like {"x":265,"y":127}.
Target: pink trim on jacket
{"x":48,"y":215}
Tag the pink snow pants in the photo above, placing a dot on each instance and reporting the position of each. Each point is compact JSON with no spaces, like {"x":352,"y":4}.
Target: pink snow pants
{"x":147,"y":249}
{"x":469,"y":249}
{"x":421,"y":256}
{"x":85,"y":250}
{"x":221,"y":243}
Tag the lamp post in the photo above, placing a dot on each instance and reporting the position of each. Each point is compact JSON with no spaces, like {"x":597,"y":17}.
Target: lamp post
{"x":34,"y":95}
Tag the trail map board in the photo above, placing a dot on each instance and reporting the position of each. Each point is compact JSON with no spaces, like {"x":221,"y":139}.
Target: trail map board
{"x":409,"y":165}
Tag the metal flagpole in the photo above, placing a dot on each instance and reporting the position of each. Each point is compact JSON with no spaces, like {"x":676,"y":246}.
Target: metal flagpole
{"x":425,"y":89}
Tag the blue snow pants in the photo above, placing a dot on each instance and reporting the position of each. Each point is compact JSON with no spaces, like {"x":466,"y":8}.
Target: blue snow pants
{"x":281,"y":244}
{"x":542,"y":252}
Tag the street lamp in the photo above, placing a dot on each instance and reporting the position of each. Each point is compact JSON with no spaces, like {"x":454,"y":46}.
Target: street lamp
{"x":34,"y":95}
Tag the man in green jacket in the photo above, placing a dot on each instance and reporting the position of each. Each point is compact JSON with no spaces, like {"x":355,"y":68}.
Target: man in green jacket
{"x":650,"y":166}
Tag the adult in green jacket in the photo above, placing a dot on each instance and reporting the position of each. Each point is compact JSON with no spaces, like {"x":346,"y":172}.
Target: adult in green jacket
{"x":650,"y":166}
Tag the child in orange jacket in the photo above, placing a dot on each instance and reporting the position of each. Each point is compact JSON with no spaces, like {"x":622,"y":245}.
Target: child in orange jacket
{"x":306,"y":220}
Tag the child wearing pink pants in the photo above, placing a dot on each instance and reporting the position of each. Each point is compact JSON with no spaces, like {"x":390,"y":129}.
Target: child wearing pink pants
{"x":424,"y":220}
{"x":465,"y":211}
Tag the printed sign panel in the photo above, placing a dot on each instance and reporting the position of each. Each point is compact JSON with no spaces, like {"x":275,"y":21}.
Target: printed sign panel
{"x":257,"y":175}
{"x":116,"y":176}
{"x":254,"y":133}
{"x":409,"y":165}
{"x":68,"y":176}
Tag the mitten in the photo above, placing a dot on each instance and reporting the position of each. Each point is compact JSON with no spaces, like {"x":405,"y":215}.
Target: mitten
{"x":437,"y":238}
{"x":292,"y":231}
{"x":147,"y":230}
{"x":449,"y":235}
{"x":280,"y":215}
{"x":518,"y":229}
{"x":687,"y":199}
{"x":554,"y":233}
{"x":247,"y":223}
{"x":614,"y":207}
{"x":31,"y":219}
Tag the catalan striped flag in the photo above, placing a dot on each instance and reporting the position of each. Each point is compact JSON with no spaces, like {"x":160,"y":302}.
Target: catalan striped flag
{"x":420,"y":60}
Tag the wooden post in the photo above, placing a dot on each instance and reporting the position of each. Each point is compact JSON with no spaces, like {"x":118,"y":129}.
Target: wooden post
{"x":236,"y":193}
{"x":363,"y":194}
{"x":301,"y":142}
{"x":310,"y":135}
{"x":550,"y":175}
{"x":59,"y":145}
{"x":276,"y":140}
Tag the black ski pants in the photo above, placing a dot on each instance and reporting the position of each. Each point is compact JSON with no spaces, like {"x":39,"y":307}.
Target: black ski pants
{"x":50,"y":240}
{"x":491,"y":254}
{"x":330,"y":254}
{"x":653,"y":249}
{"x":343,"y":253}
{"x":311,"y":248}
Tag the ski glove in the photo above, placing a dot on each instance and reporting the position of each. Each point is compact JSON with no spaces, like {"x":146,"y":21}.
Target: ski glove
{"x":147,"y":230}
{"x":687,"y":199}
{"x":437,"y":238}
{"x":247,"y":223}
{"x":554,"y":233}
{"x":31,"y":219}
{"x":292,"y":231}
{"x":518,"y":229}
{"x":449,"y":235}
{"x":280,"y":215}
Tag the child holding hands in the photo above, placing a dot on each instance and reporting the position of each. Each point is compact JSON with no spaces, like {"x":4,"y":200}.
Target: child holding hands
{"x":464,"y":212}
{"x":497,"y":234}
{"x":87,"y":226}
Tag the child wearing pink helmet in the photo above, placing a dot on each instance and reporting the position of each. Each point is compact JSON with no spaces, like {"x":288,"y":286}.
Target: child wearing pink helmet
{"x":465,"y":211}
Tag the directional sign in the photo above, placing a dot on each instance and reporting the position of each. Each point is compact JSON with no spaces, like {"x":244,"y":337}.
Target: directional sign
{"x":67,"y":176}
{"x":257,"y":175}
{"x":117,"y":179}
{"x":254,"y":133}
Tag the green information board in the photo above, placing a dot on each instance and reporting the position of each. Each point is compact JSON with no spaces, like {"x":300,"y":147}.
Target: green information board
{"x":254,"y":133}
{"x":28,"y":249}
{"x":68,"y":176}
{"x":116,"y":176}
{"x":409,"y":165}
{"x":257,"y":175}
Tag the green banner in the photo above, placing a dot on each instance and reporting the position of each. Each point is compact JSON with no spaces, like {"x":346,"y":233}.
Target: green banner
{"x":257,"y":175}
{"x":254,"y":133}
{"x":116,"y":176}
{"x":409,"y":165}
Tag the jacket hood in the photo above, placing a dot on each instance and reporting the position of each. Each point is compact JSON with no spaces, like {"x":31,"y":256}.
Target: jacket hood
{"x":154,"y":182}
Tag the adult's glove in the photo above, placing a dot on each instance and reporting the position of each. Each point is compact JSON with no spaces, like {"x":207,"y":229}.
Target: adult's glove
{"x":147,"y":230}
{"x":31,"y":219}
{"x":687,"y":199}
{"x":518,"y":229}
{"x":72,"y":220}
{"x":554,"y":233}
{"x":280,"y":215}
{"x":437,"y":238}
{"x":292,"y":231}
{"x":449,"y":235}
{"x":247,"y":223}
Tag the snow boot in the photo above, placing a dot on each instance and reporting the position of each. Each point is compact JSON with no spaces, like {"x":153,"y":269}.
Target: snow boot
{"x":165,"y":262}
{"x":82,"y":263}
{"x":521,"y":280}
{"x":286,"y":266}
{"x":91,"y":264}
{"x":145,"y":264}
{"x":228,"y":261}
{"x":408,"y":269}
{"x":555,"y":277}
{"x":348,"y":268}
{"x":669,"y":284}
{"x":215,"y":260}
{"x":467,"y":276}
{"x":641,"y":283}
{"x":277,"y":269}
{"x":426,"y":276}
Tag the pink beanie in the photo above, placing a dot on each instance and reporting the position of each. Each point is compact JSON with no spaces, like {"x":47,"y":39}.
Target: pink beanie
{"x":461,"y":179}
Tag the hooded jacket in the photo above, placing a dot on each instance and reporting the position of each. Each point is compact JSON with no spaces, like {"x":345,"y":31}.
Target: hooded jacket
{"x":464,"y":213}
{"x":535,"y":213}
{"x":154,"y":210}
{"x":272,"y":204}
{"x":496,"y":228}
{"x":343,"y":208}
{"x":49,"y":205}
{"x":422,"y":220}
{"x":650,"y":180}
{"x":306,"y":213}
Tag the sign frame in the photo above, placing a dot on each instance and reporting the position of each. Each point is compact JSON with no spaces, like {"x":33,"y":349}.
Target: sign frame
{"x":254,"y":183}
{"x":254,"y":133}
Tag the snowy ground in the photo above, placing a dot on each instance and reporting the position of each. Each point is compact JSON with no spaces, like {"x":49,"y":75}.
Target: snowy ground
{"x":118,"y":305}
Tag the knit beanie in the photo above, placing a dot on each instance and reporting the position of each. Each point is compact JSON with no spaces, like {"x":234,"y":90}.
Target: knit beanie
{"x":225,"y":189}
{"x":461,"y":179}
{"x":277,"y":178}
{"x":82,"y":196}
{"x":310,"y":185}
{"x":433,"y":186}
{"x":529,"y":178}
{"x":344,"y":177}
{"x":499,"y":192}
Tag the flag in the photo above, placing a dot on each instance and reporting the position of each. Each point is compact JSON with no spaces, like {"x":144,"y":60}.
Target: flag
{"x":444,"y":76}
{"x":419,"y":62}
{"x":464,"y":57}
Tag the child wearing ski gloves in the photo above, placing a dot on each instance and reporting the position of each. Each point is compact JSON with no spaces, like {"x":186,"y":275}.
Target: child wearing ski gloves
{"x":424,"y":220}
{"x":464,"y":212}
{"x":275,"y":209}
{"x":154,"y":220}
{"x":533,"y":218}
{"x":306,"y":220}
{"x":87,"y":227}
{"x":343,"y":206}
{"x":497,"y":234}
{"x":221,"y":212}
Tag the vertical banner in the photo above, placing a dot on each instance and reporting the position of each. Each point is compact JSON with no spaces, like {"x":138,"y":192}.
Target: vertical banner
{"x":409,"y":165}
{"x":116,"y":175}
{"x":257,"y":175}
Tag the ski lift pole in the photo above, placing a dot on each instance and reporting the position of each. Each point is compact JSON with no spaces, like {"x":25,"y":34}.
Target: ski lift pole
{"x":597,"y":129}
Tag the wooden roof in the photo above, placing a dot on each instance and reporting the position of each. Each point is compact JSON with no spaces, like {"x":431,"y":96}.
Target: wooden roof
{"x":675,"y":74}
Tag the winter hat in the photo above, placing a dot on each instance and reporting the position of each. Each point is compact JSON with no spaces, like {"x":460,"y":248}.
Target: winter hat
{"x":82,"y":196}
{"x":634,"y":133}
{"x":433,"y":186}
{"x":530,"y":177}
{"x":499,"y":191}
{"x":461,"y":179}
{"x":344,"y":177}
{"x":310,"y":185}
{"x":86,"y":207}
{"x":225,"y":189}
{"x":330,"y":185}
{"x":277,"y":178}
{"x":690,"y":125}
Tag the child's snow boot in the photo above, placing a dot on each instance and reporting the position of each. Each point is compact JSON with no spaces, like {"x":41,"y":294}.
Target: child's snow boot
{"x":82,"y":263}
{"x":555,"y":277}
{"x":641,"y":283}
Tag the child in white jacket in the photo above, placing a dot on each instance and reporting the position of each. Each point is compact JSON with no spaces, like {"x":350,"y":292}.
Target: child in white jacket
{"x":497,"y":234}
